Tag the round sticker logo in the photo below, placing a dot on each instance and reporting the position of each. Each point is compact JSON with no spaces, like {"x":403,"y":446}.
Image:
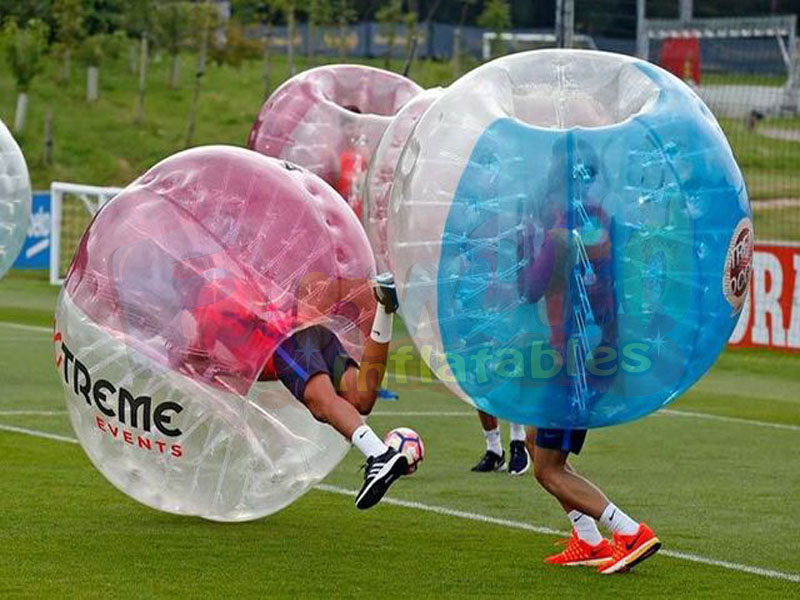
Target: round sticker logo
{"x":738,"y":265}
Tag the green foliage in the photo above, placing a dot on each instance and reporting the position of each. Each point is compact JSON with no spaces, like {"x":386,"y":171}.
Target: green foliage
{"x":320,"y":12}
{"x":100,"y":46}
{"x":389,"y":14}
{"x":174,"y":25}
{"x":254,"y":11}
{"x":140,"y":18}
{"x":68,"y":16}
{"x":496,"y":16}
{"x":24,"y":49}
{"x":236,"y":48}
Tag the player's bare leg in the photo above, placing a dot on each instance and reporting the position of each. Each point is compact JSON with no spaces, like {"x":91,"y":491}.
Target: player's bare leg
{"x":586,"y":505}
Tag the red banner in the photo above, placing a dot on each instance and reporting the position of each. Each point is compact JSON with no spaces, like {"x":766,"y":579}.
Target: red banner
{"x":771,"y":314}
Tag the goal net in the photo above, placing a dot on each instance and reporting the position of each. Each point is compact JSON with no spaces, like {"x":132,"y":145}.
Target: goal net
{"x":746,"y":71}
{"x":73,"y":206}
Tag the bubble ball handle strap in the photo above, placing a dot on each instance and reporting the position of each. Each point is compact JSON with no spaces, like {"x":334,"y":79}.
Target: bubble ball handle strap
{"x":385,"y":290}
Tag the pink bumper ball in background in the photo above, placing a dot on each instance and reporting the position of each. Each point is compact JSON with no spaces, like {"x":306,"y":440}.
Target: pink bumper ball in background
{"x":329,"y":120}
{"x":179,"y":293}
{"x":378,"y":187}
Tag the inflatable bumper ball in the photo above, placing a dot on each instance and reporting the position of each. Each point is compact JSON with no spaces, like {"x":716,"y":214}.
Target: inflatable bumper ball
{"x":380,"y":175}
{"x":15,"y":199}
{"x":571,"y":237}
{"x":180,"y":291}
{"x":329,"y":120}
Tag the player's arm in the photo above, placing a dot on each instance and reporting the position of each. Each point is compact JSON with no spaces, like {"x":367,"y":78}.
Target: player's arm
{"x":361,"y":385}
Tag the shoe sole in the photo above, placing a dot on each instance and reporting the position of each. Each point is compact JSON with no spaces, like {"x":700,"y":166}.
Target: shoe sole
{"x":500,"y":467}
{"x":643,"y":552}
{"x":522,"y":472}
{"x":594,"y":562}
{"x":364,"y":500}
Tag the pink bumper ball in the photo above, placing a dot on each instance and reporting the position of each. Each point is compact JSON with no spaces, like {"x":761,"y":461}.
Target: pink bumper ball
{"x":378,"y":188}
{"x":329,"y":120}
{"x":180,"y":291}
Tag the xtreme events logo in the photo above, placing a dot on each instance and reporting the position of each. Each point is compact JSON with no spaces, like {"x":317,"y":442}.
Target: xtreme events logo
{"x":136,"y":420}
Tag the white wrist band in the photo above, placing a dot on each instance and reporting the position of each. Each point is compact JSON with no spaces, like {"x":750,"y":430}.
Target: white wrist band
{"x":382,"y":326}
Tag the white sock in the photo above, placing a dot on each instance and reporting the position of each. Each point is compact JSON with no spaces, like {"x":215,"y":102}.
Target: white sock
{"x":493,"y":441}
{"x":585,"y":527}
{"x":617,"y":521}
{"x":382,"y":325}
{"x":517,"y":432}
{"x":370,"y":444}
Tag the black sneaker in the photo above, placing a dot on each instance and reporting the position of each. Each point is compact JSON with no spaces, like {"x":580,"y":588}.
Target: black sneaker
{"x":380,"y":472}
{"x":491,"y":461}
{"x":520,"y":462}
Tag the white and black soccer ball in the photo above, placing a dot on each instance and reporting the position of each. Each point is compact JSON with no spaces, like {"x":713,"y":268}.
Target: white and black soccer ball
{"x":409,"y":442}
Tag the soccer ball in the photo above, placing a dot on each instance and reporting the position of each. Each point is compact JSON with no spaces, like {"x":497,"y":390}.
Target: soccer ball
{"x":408,"y":442}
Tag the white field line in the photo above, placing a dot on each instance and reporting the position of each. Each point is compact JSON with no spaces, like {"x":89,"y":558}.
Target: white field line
{"x":37,"y":433}
{"x":449,"y":512}
{"x":663,"y":412}
{"x":470,"y":516}
{"x":22,"y":327}
{"x":31,"y":413}
{"x":668,"y":412}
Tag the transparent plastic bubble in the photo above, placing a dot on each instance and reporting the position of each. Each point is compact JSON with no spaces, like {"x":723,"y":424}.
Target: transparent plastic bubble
{"x":329,"y":120}
{"x":15,"y":199}
{"x":378,"y":186}
{"x":571,"y":238}
{"x":180,"y":290}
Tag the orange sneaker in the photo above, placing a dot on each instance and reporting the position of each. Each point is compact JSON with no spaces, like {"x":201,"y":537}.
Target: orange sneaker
{"x":630,"y":550}
{"x":581,"y":554}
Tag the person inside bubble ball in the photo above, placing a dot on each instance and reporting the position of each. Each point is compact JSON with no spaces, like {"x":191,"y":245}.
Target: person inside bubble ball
{"x":587,"y":256}
{"x":315,"y":367}
{"x":352,"y":161}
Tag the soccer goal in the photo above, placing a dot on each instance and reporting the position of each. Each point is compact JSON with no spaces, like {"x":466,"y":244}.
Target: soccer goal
{"x":742,"y":66}
{"x":507,"y":42}
{"x":72,"y":207}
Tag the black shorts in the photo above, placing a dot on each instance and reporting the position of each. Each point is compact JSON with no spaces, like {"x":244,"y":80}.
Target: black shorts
{"x":566,"y":440}
{"x":307,"y":353}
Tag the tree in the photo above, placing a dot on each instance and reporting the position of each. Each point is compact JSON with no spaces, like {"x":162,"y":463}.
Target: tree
{"x":320,"y":14}
{"x":68,"y":16}
{"x":173,"y":32}
{"x":345,"y":14}
{"x":203,"y":18}
{"x":263,"y":12}
{"x":496,"y":16}
{"x":24,"y":49}
{"x":140,"y":22}
{"x":92,"y":52}
{"x":465,"y":4}
{"x":288,"y":8}
{"x":388,"y":16}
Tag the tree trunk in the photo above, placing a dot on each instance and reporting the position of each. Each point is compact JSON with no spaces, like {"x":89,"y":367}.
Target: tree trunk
{"x":456,"y":53}
{"x":47,"y":150}
{"x":390,"y":47}
{"x":22,"y":112}
{"x":290,"y":42}
{"x":342,"y":37}
{"x":142,"y":80}
{"x":132,"y":54}
{"x":174,"y":71}
{"x":92,"y":83}
{"x":66,"y":69}
{"x":310,"y":45}
{"x":265,"y":48}
{"x":201,"y":71}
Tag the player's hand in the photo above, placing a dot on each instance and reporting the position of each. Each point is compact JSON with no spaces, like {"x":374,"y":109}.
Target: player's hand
{"x":385,"y":290}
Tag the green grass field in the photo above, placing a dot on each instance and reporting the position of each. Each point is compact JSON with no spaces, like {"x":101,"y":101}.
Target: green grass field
{"x":717,"y":477}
